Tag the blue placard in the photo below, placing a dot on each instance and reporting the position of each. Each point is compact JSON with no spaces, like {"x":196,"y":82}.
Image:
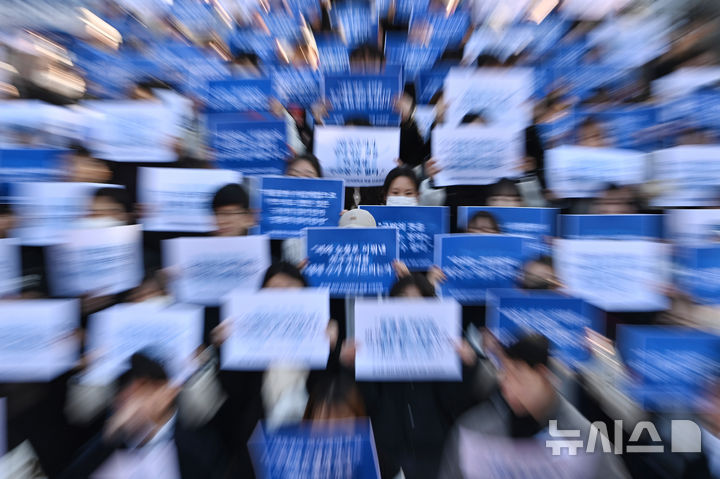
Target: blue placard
{"x":28,"y":164}
{"x":628,"y":126}
{"x":357,"y":21}
{"x":352,"y":261}
{"x":475,"y":263}
{"x":671,"y":367}
{"x":539,"y":224}
{"x":260,"y":43}
{"x":622,"y":227}
{"x":699,"y":273}
{"x":334,"y":55}
{"x":414,"y":57}
{"x":295,"y":86}
{"x":251,"y":144}
{"x":429,"y":82}
{"x":287,"y":205}
{"x":337,"y":449}
{"x":418,"y":226}
{"x":282,"y":25}
{"x":447,"y":30}
{"x":405,"y":8}
{"x":239,"y":94}
{"x":562,"y":319}
{"x":358,"y":95}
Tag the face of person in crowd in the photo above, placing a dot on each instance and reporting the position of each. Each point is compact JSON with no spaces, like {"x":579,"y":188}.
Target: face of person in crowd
{"x":104,"y":208}
{"x":410,"y":291}
{"x":537,"y":275}
{"x":282,"y":280}
{"x":483,"y":226}
{"x":302,"y":169}
{"x":233,"y":220}
{"x":326,"y":411}
{"x":593,"y":135}
{"x":86,"y":169}
{"x":614,"y":202}
{"x":402,"y":192}
{"x":512,"y":201}
{"x":7,"y":222}
{"x":149,"y":401}
{"x":526,"y":389}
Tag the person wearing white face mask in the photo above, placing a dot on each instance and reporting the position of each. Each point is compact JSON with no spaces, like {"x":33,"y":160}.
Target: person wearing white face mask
{"x":402,"y":188}
{"x":109,"y":207}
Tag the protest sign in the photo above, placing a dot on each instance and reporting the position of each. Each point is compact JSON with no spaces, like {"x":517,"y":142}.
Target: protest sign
{"x":239,"y":94}
{"x":441,"y":27}
{"x":352,"y":261}
{"x":473,"y":263}
{"x":98,"y":262}
{"x":321,"y":450}
{"x":334,"y":55}
{"x":248,"y":144}
{"x":499,"y":95}
{"x":276,"y":327}
{"x":132,"y":131}
{"x":582,"y":172}
{"x":429,"y":82}
{"x":46,"y":209}
{"x":538,"y":224}
{"x":287,"y":205}
{"x":363,"y":96}
{"x":206,"y":269}
{"x":414,"y":56}
{"x":689,"y":175}
{"x":512,"y":313}
{"x":28,"y":164}
{"x":671,"y":366}
{"x":362,"y":156}
{"x":169,"y":334}
{"x":180,"y":199}
{"x":699,"y":272}
{"x":684,"y":81}
{"x":295,"y":86}
{"x":417,"y":226}
{"x":621,"y":227}
{"x":407,"y":340}
{"x":615,"y":275}
{"x":10,"y":272}
{"x":476,"y":155}
{"x":356,"y":21}
{"x":37,"y":339}
{"x":690,"y":226}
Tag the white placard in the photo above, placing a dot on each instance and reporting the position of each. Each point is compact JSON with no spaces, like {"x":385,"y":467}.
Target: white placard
{"x":100,"y":261}
{"x":168,"y":334}
{"x":179,"y":199}
{"x":47,"y":209}
{"x":37,"y":339}
{"x":277,"y":326}
{"x":684,"y":81}
{"x":204,"y":270}
{"x":615,"y":275}
{"x":407,"y":340}
{"x":582,"y":171}
{"x":693,"y":227}
{"x":476,"y":155}
{"x":499,"y":95}
{"x":10,"y":272}
{"x":132,"y":131}
{"x":689,"y":175}
{"x":362,"y":156}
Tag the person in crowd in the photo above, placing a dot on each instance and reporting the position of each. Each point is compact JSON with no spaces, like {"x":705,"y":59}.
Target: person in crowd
{"x":615,"y":200}
{"x":304,"y":166}
{"x":109,"y":207}
{"x":7,"y":220}
{"x":83,"y":167}
{"x":231,"y":207}
{"x":505,"y":193}
{"x":335,"y":397}
{"x":483,"y":222}
{"x":592,"y":133}
{"x":142,"y":436}
{"x":539,"y":273}
{"x":402,"y":188}
{"x":521,"y":411}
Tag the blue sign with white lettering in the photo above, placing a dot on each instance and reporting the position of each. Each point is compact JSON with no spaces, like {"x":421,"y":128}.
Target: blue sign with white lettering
{"x":672,"y":368}
{"x":539,"y":224}
{"x":699,"y":273}
{"x":334,"y":55}
{"x":475,"y":263}
{"x":622,"y":227}
{"x":295,"y":86}
{"x":631,"y":127}
{"x":413,"y":56}
{"x":352,"y":261}
{"x":357,"y":22}
{"x":337,"y":449}
{"x":28,"y":165}
{"x":360,"y":95}
{"x":418,"y":226}
{"x":251,"y":144}
{"x":287,"y":205}
{"x":562,"y":319}
{"x":446,"y":30}
{"x":239,"y":94}
{"x":429,"y":82}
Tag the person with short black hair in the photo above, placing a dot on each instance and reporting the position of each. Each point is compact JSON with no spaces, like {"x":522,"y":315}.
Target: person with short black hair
{"x":231,"y":207}
{"x":483,"y":222}
{"x":505,"y":193}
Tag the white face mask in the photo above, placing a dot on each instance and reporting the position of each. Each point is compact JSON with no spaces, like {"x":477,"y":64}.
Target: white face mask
{"x":398,"y":200}
{"x":93,"y":223}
